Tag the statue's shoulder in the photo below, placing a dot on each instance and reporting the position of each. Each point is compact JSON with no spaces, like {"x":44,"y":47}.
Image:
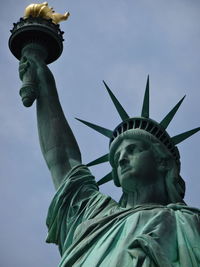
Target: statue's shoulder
{"x":184,"y":208}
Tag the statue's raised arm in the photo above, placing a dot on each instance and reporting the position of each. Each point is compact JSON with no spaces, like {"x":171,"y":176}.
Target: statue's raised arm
{"x":57,"y":141}
{"x":36,"y":40}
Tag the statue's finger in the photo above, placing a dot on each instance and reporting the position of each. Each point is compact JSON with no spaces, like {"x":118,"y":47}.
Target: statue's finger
{"x":24,"y":62}
{"x":21,"y":74}
{"x":22,"y":69}
{"x":23,"y":66}
{"x":23,"y":59}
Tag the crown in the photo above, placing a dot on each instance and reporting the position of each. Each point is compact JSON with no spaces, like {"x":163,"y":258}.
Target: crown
{"x":145,"y":123}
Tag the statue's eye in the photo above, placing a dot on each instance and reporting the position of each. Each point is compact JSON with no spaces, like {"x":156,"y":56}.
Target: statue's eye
{"x":131,"y":148}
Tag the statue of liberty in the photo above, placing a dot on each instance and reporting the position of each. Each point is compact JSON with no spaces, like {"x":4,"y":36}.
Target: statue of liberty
{"x":151,"y":225}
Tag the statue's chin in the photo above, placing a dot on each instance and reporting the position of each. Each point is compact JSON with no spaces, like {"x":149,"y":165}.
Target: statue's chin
{"x":130,"y":180}
{"x":133,"y":179}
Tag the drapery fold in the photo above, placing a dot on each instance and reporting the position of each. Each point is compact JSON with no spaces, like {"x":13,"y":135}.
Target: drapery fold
{"x":92,"y":230}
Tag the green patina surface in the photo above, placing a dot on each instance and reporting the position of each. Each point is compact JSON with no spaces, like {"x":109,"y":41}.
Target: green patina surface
{"x":93,"y":230}
{"x":150,"y":226}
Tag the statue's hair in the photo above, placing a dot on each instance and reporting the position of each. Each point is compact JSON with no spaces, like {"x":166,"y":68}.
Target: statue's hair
{"x":175,"y":186}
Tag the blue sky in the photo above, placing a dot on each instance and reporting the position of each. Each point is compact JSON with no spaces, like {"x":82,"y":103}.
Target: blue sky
{"x":120,"y":42}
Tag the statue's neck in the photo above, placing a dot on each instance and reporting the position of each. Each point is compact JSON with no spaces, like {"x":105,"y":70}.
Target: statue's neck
{"x":151,"y":194}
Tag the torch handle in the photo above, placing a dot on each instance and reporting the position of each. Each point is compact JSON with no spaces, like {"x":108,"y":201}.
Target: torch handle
{"x":29,"y":90}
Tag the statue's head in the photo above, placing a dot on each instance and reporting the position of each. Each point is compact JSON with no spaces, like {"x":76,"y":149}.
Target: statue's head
{"x":142,"y":152}
{"x":140,"y":160}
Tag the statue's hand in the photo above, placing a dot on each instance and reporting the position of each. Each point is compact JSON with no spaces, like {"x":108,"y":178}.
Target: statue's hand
{"x":27,"y":73}
{"x":23,"y":67}
{"x":37,"y":80}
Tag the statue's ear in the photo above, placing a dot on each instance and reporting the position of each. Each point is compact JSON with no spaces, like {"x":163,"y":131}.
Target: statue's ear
{"x":164,"y":164}
{"x":175,"y":186}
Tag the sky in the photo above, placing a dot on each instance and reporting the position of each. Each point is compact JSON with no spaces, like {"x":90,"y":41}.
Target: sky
{"x":120,"y":42}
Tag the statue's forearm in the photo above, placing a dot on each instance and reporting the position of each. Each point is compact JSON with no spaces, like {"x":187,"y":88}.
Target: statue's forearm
{"x":57,"y":141}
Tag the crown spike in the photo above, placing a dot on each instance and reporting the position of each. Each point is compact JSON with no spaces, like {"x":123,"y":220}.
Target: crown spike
{"x":181,"y":137}
{"x":99,"y":160}
{"x":168,"y":118}
{"x":145,"y":107}
{"x":105,"y":179}
{"x":104,"y":131}
{"x":122,"y":113}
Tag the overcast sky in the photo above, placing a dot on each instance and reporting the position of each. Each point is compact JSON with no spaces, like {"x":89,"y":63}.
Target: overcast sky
{"x":121,"y":42}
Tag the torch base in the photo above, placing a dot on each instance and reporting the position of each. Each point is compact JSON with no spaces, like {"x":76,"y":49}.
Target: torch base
{"x":37,"y":31}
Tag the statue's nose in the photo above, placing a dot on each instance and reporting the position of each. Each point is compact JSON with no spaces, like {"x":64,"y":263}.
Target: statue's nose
{"x":123,"y":160}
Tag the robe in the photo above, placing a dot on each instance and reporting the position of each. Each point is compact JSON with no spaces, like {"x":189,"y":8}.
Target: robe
{"x":92,"y":230}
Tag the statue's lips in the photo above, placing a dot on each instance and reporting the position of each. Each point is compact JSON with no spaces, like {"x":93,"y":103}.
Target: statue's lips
{"x":126,"y":169}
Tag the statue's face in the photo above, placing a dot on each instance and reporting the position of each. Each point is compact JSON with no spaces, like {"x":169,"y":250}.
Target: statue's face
{"x":136,"y":164}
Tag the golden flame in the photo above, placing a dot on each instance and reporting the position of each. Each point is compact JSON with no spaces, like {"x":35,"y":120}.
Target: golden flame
{"x":44,"y":11}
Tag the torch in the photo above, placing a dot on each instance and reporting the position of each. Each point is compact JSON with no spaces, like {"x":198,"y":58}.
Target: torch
{"x":37,"y":34}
